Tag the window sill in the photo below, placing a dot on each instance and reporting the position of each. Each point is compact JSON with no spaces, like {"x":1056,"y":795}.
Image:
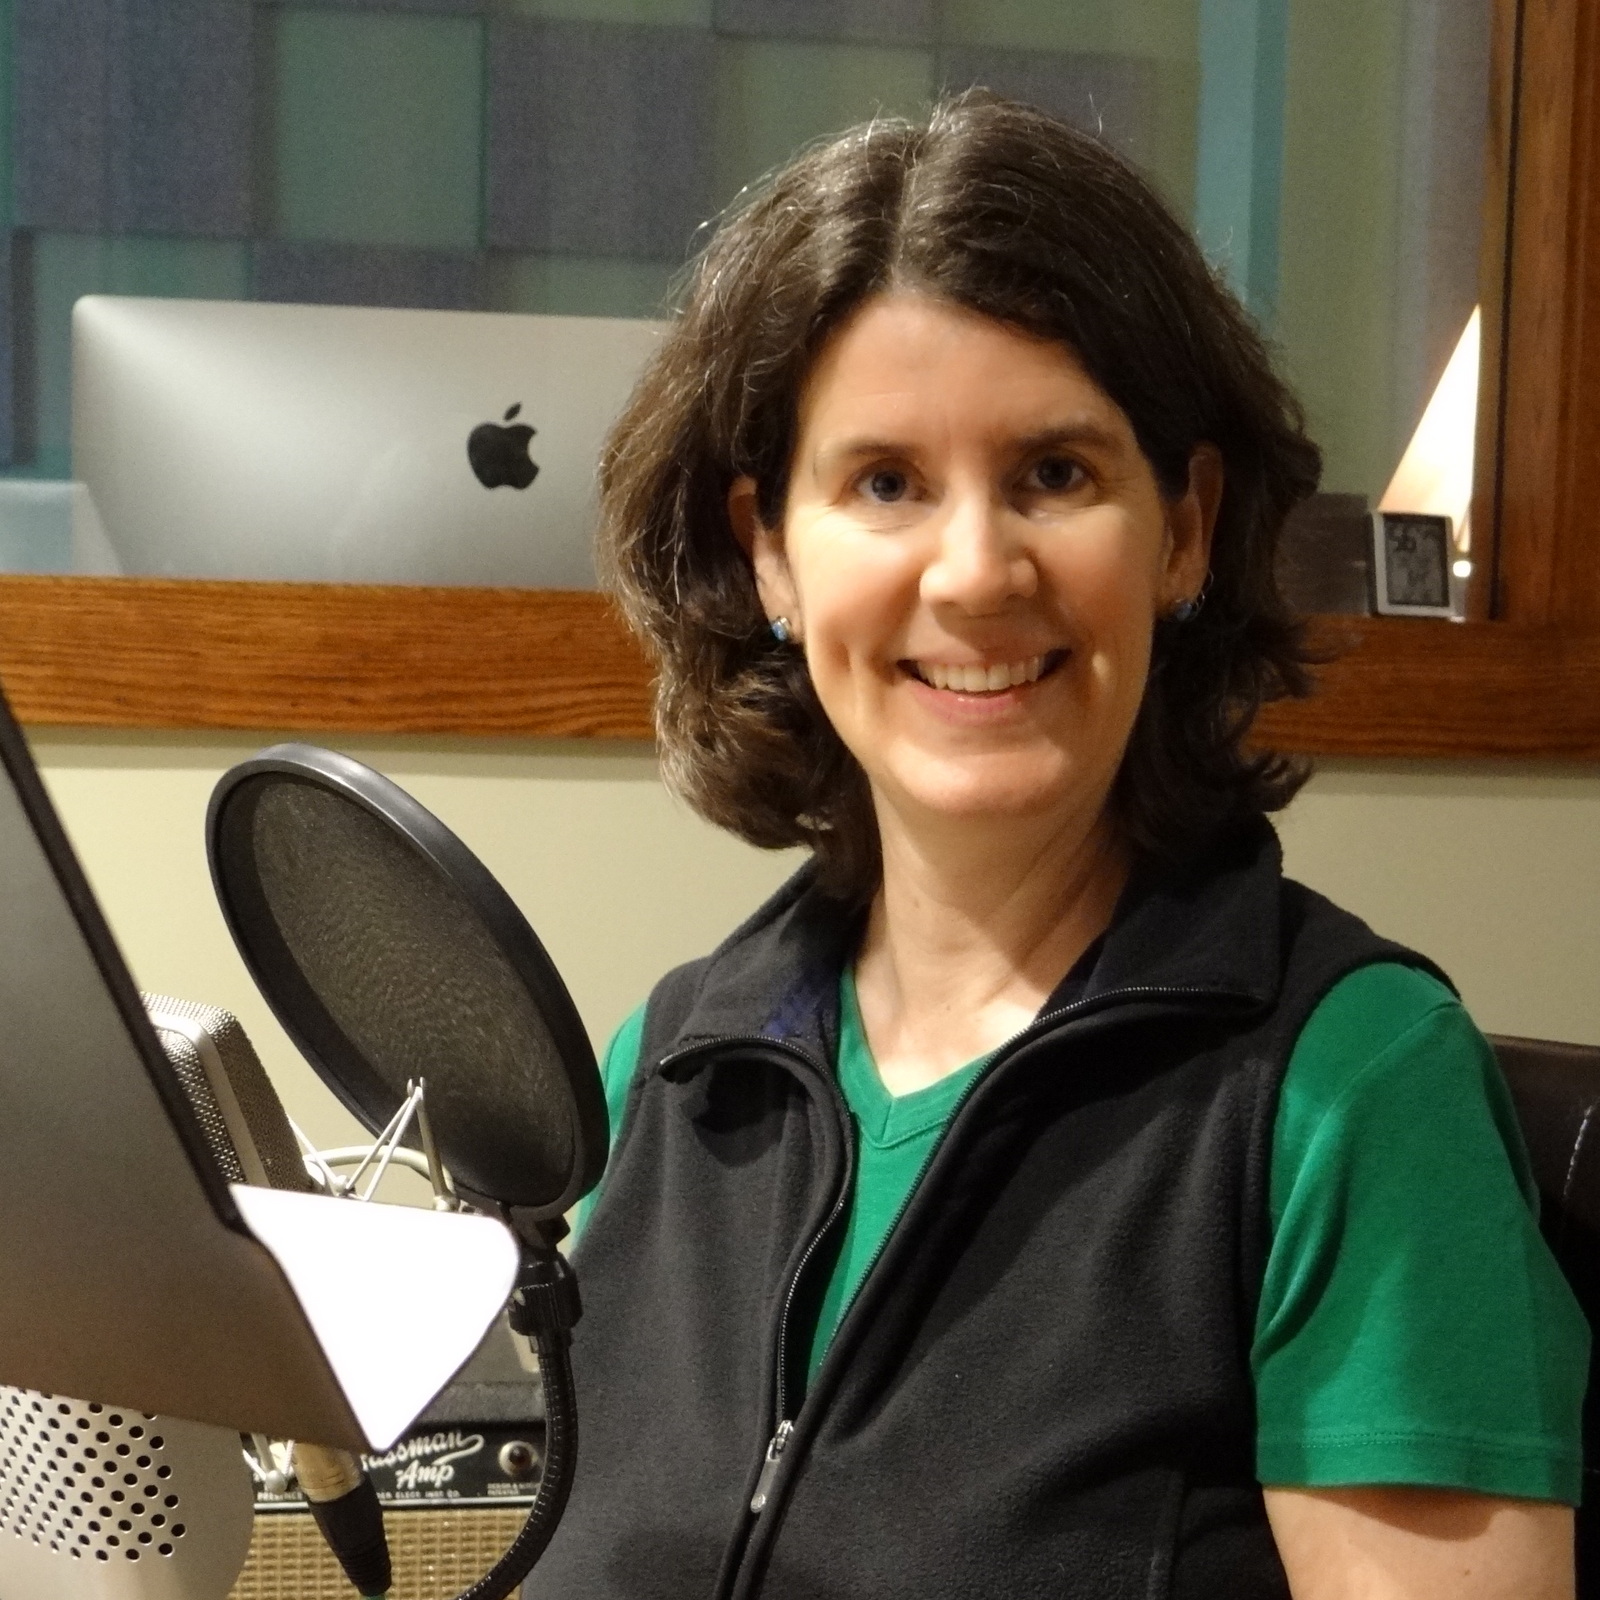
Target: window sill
{"x":334,"y":658}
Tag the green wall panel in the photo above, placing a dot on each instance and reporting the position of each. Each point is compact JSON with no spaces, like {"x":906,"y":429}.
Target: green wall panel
{"x":578,"y":286}
{"x":1239,"y":173}
{"x":67,"y":266}
{"x":1337,"y":272}
{"x":5,"y":114}
{"x":654,"y":13}
{"x":377,"y":128}
{"x":774,"y":96}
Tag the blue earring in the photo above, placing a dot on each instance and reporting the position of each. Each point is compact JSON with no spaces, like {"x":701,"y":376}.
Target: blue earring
{"x":781,"y":631}
{"x":1186,"y":611}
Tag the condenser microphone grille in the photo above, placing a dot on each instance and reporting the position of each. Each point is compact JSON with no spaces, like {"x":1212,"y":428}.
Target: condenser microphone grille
{"x":404,"y":967}
{"x":184,"y":1054}
{"x":239,"y":1111}
{"x":87,"y":1481}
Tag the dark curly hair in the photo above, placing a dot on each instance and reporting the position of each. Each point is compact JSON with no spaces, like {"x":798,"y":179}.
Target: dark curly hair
{"x":1000,"y":209}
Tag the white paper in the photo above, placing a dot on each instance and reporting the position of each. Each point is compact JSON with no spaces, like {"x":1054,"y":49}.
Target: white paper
{"x":398,"y":1297}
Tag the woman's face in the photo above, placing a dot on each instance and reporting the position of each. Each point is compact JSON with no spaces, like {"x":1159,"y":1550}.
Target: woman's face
{"x":973,"y":556}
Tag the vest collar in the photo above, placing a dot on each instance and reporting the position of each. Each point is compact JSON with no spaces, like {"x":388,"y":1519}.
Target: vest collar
{"x":1212,"y":927}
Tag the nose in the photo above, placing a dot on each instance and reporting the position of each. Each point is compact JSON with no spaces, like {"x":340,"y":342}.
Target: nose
{"x":982,"y":559}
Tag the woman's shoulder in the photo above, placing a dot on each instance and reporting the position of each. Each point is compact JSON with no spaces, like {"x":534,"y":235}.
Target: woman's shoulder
{"x":1404,"y":1224}
{"x":1384,"y":1011}
{"x":1389,"y":1048}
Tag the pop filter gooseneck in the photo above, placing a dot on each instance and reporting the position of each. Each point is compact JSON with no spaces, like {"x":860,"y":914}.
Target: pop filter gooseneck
{"x":391,"y":955}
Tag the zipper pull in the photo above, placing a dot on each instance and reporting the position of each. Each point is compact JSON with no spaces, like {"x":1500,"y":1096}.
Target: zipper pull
{"x":769,"y":1467}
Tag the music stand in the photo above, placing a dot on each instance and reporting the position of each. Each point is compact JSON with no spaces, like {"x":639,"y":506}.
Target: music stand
{"x":133,"y":1273}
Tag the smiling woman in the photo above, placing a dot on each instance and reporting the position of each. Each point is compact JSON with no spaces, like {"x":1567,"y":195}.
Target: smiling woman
{"x":1039,"y":1127}
{"x":973,"y":554}
{"x":1172,"y":365}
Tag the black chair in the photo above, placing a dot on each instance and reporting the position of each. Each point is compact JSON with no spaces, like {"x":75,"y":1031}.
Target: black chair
{"x":1556,"y":1089}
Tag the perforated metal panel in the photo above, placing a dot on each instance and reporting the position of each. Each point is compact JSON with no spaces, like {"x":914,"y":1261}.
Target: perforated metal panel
{"x":97,"y":1501}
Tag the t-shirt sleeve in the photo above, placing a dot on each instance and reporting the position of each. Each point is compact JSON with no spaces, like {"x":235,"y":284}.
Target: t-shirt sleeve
{"x":617,"y":1067}
{"x":1413,"y":1328}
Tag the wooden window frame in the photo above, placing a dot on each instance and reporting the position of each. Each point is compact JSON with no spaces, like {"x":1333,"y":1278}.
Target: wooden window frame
{"x":1520,"y":678}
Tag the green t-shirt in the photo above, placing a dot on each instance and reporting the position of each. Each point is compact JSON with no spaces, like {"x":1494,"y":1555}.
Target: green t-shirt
{"x":1413,"y":1327}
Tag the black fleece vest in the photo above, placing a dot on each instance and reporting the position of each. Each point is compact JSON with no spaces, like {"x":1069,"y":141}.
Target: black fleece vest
{"x":1043,"y":1385}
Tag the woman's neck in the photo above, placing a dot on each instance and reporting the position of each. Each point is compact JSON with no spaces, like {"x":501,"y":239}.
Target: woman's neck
{"x":971,"y":931}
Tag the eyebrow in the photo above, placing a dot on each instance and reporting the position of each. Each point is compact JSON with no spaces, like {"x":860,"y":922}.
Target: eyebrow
{"x":1078,"y":434}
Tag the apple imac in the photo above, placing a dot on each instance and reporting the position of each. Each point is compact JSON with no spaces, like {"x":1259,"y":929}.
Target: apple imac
{"x":231,"y":439}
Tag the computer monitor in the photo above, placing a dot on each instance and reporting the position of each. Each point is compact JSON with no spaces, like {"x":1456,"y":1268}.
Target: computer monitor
{"x":228,"y":439}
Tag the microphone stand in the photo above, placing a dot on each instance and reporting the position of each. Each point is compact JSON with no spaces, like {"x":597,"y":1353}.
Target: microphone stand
{"x":544,"y":1306}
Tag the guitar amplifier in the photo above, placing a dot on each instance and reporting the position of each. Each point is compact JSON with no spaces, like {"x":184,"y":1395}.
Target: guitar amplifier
{"x":455,"y":1491}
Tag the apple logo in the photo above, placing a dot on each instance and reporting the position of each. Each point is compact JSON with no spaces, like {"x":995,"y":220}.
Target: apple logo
{"x":500,"y":454}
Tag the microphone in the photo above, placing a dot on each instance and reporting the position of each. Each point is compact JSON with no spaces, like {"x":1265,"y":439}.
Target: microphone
{"x":250,"y":1135}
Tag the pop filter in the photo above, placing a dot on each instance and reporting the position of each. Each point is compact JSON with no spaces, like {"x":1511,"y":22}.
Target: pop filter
{"x":390,"y":954}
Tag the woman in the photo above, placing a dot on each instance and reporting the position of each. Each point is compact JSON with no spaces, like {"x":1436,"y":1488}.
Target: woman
{"x":1038,"y":1174}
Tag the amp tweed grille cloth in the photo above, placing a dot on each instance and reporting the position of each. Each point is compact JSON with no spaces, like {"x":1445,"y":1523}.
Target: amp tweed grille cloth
{"x":436,"y":1554}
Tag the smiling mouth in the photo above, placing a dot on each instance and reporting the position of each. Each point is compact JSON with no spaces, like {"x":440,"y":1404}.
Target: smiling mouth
{"x":995,"y":678}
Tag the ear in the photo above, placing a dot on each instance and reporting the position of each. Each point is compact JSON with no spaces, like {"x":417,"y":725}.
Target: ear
{"x":1191,"y":520}
{"x":764,"y":547}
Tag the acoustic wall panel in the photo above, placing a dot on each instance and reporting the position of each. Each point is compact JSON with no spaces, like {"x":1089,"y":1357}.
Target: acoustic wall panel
{"x":579,"y":286}
{"x":868,"y":21}
{"x":1239,"y":166}
{"x":12,"y":400}
{"x":1110,"y":96}
{"x":775,"y":95}
{"x":599,"y":138}
{"x":1160,"y":30}
{"x":133,"y":116}
{"x":376,"y":127}
{"x":368,"y":275}
{"x":441,"y":7}
{"x":646,"y":13}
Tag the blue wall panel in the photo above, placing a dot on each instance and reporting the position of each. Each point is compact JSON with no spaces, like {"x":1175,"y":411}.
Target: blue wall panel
{"x":1239,"y":164}
{"x":599,"y":138}
{"x":134,"y":116}
{"x":365,"y":275}
{"x":1111,"y":96}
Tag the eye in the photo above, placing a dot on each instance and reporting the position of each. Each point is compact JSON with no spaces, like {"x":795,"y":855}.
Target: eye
{"x":1056,"y":474}
{"x":886,"y":485}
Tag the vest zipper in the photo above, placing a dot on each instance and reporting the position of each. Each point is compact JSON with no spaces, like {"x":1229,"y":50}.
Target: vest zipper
{"x":779,"y":1441}
{"x":1038,"y":1028}
{"x":785,"y":1424}
{"x":769,"y":1467}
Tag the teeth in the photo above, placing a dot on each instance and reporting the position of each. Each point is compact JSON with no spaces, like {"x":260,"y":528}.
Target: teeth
{"x":981,"y":680}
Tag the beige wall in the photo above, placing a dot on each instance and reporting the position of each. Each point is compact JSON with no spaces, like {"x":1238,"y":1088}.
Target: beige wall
{"x":1495,"y":873}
